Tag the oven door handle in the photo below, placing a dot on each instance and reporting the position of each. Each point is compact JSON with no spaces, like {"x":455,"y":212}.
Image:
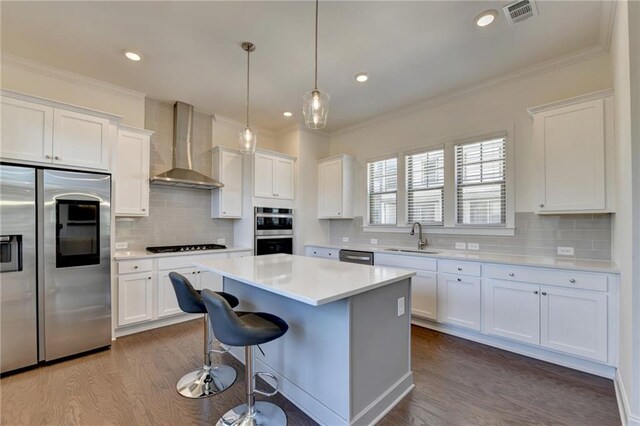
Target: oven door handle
{"x":365,"y":258}
{"x":274,"y":237}
{"x":286,"y":216}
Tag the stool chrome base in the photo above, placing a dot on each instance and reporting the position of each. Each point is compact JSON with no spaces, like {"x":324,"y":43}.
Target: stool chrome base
{"x":265,"y":414}
{"x":206,"y":381}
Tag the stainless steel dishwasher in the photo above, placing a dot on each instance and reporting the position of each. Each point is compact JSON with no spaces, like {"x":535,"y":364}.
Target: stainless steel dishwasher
{"x":356,"y":256}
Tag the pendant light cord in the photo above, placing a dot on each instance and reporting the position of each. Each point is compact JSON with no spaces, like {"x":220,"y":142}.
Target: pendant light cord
{"x":248,"y":68}
{"x":316,"y":72}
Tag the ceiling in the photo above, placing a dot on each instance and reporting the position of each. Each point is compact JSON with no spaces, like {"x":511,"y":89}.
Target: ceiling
{"x":191,"y":51}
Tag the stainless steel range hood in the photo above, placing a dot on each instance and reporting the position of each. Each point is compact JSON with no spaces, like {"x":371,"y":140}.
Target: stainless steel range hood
{"x":182,"y":174}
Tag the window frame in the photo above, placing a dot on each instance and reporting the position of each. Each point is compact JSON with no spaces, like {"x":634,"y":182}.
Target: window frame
{"x":368,"y":195}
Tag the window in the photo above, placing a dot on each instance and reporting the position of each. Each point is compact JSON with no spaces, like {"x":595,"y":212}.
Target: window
{"x":481,"y":182}
{"x":425,"y":187}
{"x":382,"y":183}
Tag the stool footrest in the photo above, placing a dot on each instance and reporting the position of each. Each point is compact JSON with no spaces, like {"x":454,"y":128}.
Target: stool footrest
{"x":271,"y":376}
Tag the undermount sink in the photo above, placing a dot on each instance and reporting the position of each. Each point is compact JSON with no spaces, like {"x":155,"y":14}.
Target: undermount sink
{"x":413,"y":251}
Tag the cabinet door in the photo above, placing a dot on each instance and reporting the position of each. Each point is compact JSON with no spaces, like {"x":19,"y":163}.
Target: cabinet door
{"x":330,"y":189}
{"x":424,"y":295}
{"x":511,"y":310}
{"x":135,"y":298}
{"x":264,"y":166}
{"x":27,"y":131}
{"x":459,"y":300}
{"x":167,"y":300}
{"x":231,"y":176}
{"x":574,"y":321}
{"x":283,"y":178}
{"x":570,"y":142}
{"x":80,"y":140}
{"x":210,"y":280}
{"x":132,"y":175}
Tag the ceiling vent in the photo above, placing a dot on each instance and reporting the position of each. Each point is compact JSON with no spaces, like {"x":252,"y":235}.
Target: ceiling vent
{"x":520,"y":11}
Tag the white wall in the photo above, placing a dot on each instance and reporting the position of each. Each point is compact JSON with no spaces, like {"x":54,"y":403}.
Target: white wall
{"x":493,"y":106}
{"x":225,"y":133}
{"x":44,"y":81}
{"x":625,"y":245}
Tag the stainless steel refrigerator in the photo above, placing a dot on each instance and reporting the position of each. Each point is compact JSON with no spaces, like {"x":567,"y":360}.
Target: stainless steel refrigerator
{"x":55,"y":266}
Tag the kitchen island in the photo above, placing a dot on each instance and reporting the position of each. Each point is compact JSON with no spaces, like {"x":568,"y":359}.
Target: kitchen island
{"x":346,"y":358}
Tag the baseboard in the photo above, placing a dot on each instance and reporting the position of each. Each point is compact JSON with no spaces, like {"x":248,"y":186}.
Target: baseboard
{"x":145,"y":326}
{"x":623,"y":403}
{"x":591,"y":367}
{"x":385,"y":402}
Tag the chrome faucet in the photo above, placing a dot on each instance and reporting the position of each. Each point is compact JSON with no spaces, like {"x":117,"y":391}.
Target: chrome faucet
{"x":422,"y":241}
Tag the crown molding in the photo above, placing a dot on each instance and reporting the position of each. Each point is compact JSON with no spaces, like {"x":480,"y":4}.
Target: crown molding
{"x":522,"y":74}
{"x":571,"y":101}
{"x":68,"y":76}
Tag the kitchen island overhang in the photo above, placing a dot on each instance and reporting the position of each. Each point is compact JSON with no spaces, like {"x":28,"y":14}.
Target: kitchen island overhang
{"x":347,"y":357}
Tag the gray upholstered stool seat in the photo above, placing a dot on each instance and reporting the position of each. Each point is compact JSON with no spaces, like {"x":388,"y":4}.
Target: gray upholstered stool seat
{"x":247,"y":329}
{"x":209,"y":379}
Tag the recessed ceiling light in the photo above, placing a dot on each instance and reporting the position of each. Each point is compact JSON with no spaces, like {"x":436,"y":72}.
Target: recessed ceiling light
{"x":287,"y":113}
{"x":132,"y":55}
{"x":361,"y":77}
{"x":486,"y":18}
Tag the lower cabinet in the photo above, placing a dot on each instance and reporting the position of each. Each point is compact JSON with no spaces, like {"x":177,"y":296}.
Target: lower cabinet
{"x":512,"y":310}
{"x":135,"y":293}
{"x":459,"y":300}
{"x":167,"y":300}
{"x":424,"y":295}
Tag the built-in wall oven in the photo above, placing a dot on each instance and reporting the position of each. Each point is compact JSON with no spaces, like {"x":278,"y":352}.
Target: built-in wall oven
{"x":273,"y":230}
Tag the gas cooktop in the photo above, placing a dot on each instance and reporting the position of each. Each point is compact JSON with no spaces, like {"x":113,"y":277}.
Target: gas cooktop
{"x":195,"y":247}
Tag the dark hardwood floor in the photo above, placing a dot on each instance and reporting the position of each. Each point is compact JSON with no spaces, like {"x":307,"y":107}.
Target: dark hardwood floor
{"x":457,"y":383}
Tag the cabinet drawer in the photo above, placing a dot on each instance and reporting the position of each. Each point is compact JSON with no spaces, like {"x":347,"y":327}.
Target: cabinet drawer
{"x":186,"y":261}
{"x":241,"y":254}
{"x":581,"y":280}
{"x":459,"y":267}
{"x":323,"y":252}
{"x":406,"y":261}
{"x":130,"y":266}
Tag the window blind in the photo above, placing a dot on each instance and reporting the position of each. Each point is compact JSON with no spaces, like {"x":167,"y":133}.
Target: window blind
{"x":425,"y":187}
{"x":382,"y":182}
{"x":480,"y":182}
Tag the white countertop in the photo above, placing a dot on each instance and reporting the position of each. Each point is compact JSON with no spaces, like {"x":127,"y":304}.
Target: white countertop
{"x":141,"y":254}
{"x":309,"y":280}
{"x":511,"y":259}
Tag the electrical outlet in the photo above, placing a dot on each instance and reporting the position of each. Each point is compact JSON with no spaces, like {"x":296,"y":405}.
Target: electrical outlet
{"x":565,"y":251}
{"x":122,"y":246}
{"x":221,"y":241}
{"x":400,"y":306}
{"x":345,"y":239}
{"x":473,"y":246}
{"x":374,"y":241}
{"x":461,"y":246}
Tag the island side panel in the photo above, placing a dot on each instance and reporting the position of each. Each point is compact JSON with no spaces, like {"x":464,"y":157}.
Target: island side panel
{"x":380,"y":350}
{"x":312,"y":357}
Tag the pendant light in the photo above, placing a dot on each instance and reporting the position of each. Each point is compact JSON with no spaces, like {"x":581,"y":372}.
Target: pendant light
{"x":315,"y":105}
{"x":247,"y":138}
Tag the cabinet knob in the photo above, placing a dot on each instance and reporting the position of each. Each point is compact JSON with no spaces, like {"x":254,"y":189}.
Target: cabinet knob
{"x":47,"y":156}
{"x":144,"y":210}
{"x":148,"y":278}
{"x":135,"y":267}
{"x":224,"y":212}
{"x":459,"y":268}
{"x":56,"y":157}
{"x":572,"y":281}
{"x":459,"y":279}
{"x":535,"y":292}
{"x":540,"y":205}
{"x":511,"y":274}
{"x":544,"y":293}
{"x":338,"y":213}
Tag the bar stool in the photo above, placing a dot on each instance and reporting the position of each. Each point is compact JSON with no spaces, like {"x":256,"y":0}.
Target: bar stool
{"x":209,"y":379}
{"x":247,"y":329}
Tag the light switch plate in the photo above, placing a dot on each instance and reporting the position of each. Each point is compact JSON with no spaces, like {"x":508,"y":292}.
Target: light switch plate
{"x":400,"y":306}
{"x":374,"y":241}
{"x":221,"y":241}
{"x":345,"y":239}
{"x":565,"y":251}
{"x":473,"y":246}
{"x":461,"y":246}
{"x":122,"y":246}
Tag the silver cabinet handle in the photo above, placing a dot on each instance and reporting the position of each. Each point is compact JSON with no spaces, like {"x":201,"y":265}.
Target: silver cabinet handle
{"x":135,"y":267}
{"x":144,"y":210}
{"x":541,"y":205}
{"x":47,"y":156}
{"x":544,"y":293}
{"x":224,"y":212}
{"x":56,"y":158}
{"x":148,"y":278}
{"x":459,"y":279}
{"x":535,"y":292}
{"x":572,"y":281}
{"x":511,"y":274}
{"x":459,"y":268}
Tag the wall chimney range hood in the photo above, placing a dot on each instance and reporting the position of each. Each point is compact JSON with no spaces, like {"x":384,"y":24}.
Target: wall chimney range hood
{"x":182,"y":174}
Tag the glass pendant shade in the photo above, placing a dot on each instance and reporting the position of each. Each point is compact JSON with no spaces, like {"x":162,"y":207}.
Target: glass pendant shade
{"x":315,"y":108}
{"x":247,"y":139}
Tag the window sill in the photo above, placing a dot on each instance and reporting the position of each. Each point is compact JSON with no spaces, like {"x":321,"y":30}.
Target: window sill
{"x":439,"y":230}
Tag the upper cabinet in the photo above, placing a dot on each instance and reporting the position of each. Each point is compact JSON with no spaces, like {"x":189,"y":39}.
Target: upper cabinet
{"x":226,"y":202}
{"x":574,"y":154}
{"x":132,"y":172}
{"x":273,"y":176}
{"x":335,"y":187}
{"x":46,"y":132}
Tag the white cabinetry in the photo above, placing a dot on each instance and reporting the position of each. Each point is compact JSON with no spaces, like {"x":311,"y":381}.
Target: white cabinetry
{"x":459,"y":300}
{"x":335,"y":187}
{"x":167,"y":300}
{"x":36,"y":130}
{"x":323,"y":252}
{"x":226,"y":202}
{"x":573,"y":140}
{"x":132,"y":172}
{"x":135,"y":292}
{"x":273,"y":176}
{"x":512,"y":310}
